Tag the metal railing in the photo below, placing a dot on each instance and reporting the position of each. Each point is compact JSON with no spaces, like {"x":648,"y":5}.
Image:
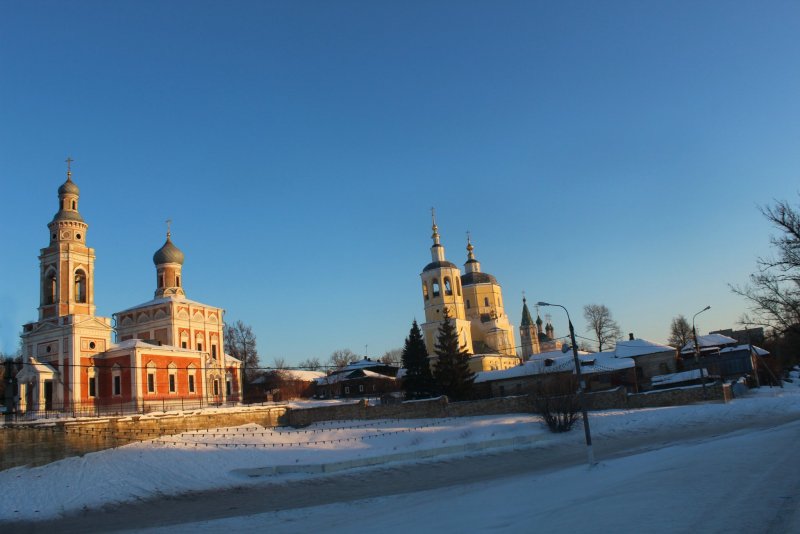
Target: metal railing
{"x":118,"y":408}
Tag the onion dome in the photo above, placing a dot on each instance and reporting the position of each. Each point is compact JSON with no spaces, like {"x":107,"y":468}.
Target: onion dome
{"x":477,"y":277}
{"x":439,"y":264}
{"x":168,"y":253}
{"x":69,"y":187}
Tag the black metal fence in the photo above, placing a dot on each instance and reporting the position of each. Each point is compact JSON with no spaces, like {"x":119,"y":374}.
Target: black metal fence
{"x":111,"y":409}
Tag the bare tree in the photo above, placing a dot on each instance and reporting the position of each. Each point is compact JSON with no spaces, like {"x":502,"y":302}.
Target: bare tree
{"x":342,"y":357}
{"x":774,"y":290}
{"x":312,"y":364}
{"x":601,"y":324}
{"x":392,"y":357}
{"x":240,"y":342}
{"x":279,"y":363}
{"x":680,"y":332}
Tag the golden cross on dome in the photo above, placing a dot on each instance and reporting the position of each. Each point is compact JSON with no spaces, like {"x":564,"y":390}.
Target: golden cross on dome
{"x":169,"y":222}
{"x":69,"y":161}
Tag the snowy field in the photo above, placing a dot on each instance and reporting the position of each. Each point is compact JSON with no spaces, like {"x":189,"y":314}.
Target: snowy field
{"x":682,"y":483}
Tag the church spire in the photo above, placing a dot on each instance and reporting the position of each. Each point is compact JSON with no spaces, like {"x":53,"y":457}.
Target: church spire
{"x":472,"y":265}
{"x":437,"y":250}
{"x":527,"y":320}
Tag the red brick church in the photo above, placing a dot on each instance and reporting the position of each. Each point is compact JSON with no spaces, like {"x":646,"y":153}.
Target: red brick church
{"x":169,"y":351}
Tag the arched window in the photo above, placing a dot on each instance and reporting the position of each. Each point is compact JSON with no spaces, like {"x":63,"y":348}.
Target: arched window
{"x":178,"y":281}
{"x":485,"y":301}
{"x":80,"y":286}
{"x":425,"y":290}
{"x":435,"y":286}
{"x":74,"y":204}
{"x":50,"y":288}
{"x":458,"y":286}
{"x":467,"y":303}
{"x":448,"y":287}
{"x":161,"y":280}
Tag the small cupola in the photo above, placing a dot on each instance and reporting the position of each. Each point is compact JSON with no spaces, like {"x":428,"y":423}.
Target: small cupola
{"x":168,"y":253}
{"x":169,"y":262}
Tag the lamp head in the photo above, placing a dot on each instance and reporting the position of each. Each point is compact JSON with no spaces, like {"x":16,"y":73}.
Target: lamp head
{"x":707,"y":308}
{"x":543,"y":304}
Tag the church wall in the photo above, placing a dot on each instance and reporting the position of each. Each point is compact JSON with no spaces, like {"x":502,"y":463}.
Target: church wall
{"x":162,"y":373}
{"x":105,"y":379}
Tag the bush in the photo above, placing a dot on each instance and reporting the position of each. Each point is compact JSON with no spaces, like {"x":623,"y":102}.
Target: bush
{"x":558,"y":403}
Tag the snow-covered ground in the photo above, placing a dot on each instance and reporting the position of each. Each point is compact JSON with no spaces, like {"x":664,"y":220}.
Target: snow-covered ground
{"x":656,"y":491}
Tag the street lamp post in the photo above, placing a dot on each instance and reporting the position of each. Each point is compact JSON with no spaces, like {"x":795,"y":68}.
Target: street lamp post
{"x":697,"y":352}
{"x":582,"y":385}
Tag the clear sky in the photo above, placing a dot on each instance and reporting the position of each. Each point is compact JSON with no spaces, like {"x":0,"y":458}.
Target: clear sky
{"x":599,"y":152}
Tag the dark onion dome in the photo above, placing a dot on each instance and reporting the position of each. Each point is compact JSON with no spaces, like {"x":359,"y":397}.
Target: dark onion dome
{"x":66,"y":215}
{"x":169,"y":253}
{"x":477,"y":278}
{"x":68,"y":188}
{"x":436,"y":264}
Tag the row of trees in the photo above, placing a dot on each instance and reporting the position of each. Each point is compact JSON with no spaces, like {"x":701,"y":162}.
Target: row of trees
{"x":451,"y":374}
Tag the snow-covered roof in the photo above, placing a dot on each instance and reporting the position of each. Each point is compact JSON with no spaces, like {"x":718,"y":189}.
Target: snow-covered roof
{"x":676,"y":378}
{"x":34,"y":368}
{"x":710,"y":340}
{"x":350,"y":375}
{"x":360,"y":364}
{"x":164,"y":300}
{"x":230,"y":359}
{"x":138,"y":343}
{"x":758,"y":350}
{"x":301,"y":375}
{"x":558,"y":362}
{"x":639,"y":347}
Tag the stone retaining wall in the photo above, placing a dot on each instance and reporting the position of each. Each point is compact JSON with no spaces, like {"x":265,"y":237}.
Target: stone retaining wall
{"x":40,"y":443}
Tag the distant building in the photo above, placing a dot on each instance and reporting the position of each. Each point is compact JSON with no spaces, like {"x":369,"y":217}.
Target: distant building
{"x":600,"y":372}
{"x":753,"y":336}
{"x":651,"y":359}
{"x":364,"y":378}
{"x":532,"y":339}
{"x":170,"y":349}
{"x":724,"y":357}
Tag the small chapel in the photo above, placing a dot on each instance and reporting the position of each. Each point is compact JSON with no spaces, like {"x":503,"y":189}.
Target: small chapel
{"x":168,"y":351}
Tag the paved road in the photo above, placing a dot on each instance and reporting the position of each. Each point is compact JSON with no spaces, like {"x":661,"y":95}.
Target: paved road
{"x":374,"y":482}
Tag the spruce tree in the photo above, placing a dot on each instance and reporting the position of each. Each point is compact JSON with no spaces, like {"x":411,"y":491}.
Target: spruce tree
{"x":418,"y":381}
{"x":452,"y":372}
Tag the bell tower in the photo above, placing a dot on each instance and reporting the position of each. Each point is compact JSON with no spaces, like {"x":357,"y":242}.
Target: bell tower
{"x":67,"y":264}
{"x":441,"y":289}
{"x":529,"y":336}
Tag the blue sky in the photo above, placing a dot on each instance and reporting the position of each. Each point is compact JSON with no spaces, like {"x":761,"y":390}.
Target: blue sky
{"x":611,"y":153}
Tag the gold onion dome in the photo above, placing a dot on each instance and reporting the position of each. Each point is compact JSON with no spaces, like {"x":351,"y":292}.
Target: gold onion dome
{"x":168,"y":253}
